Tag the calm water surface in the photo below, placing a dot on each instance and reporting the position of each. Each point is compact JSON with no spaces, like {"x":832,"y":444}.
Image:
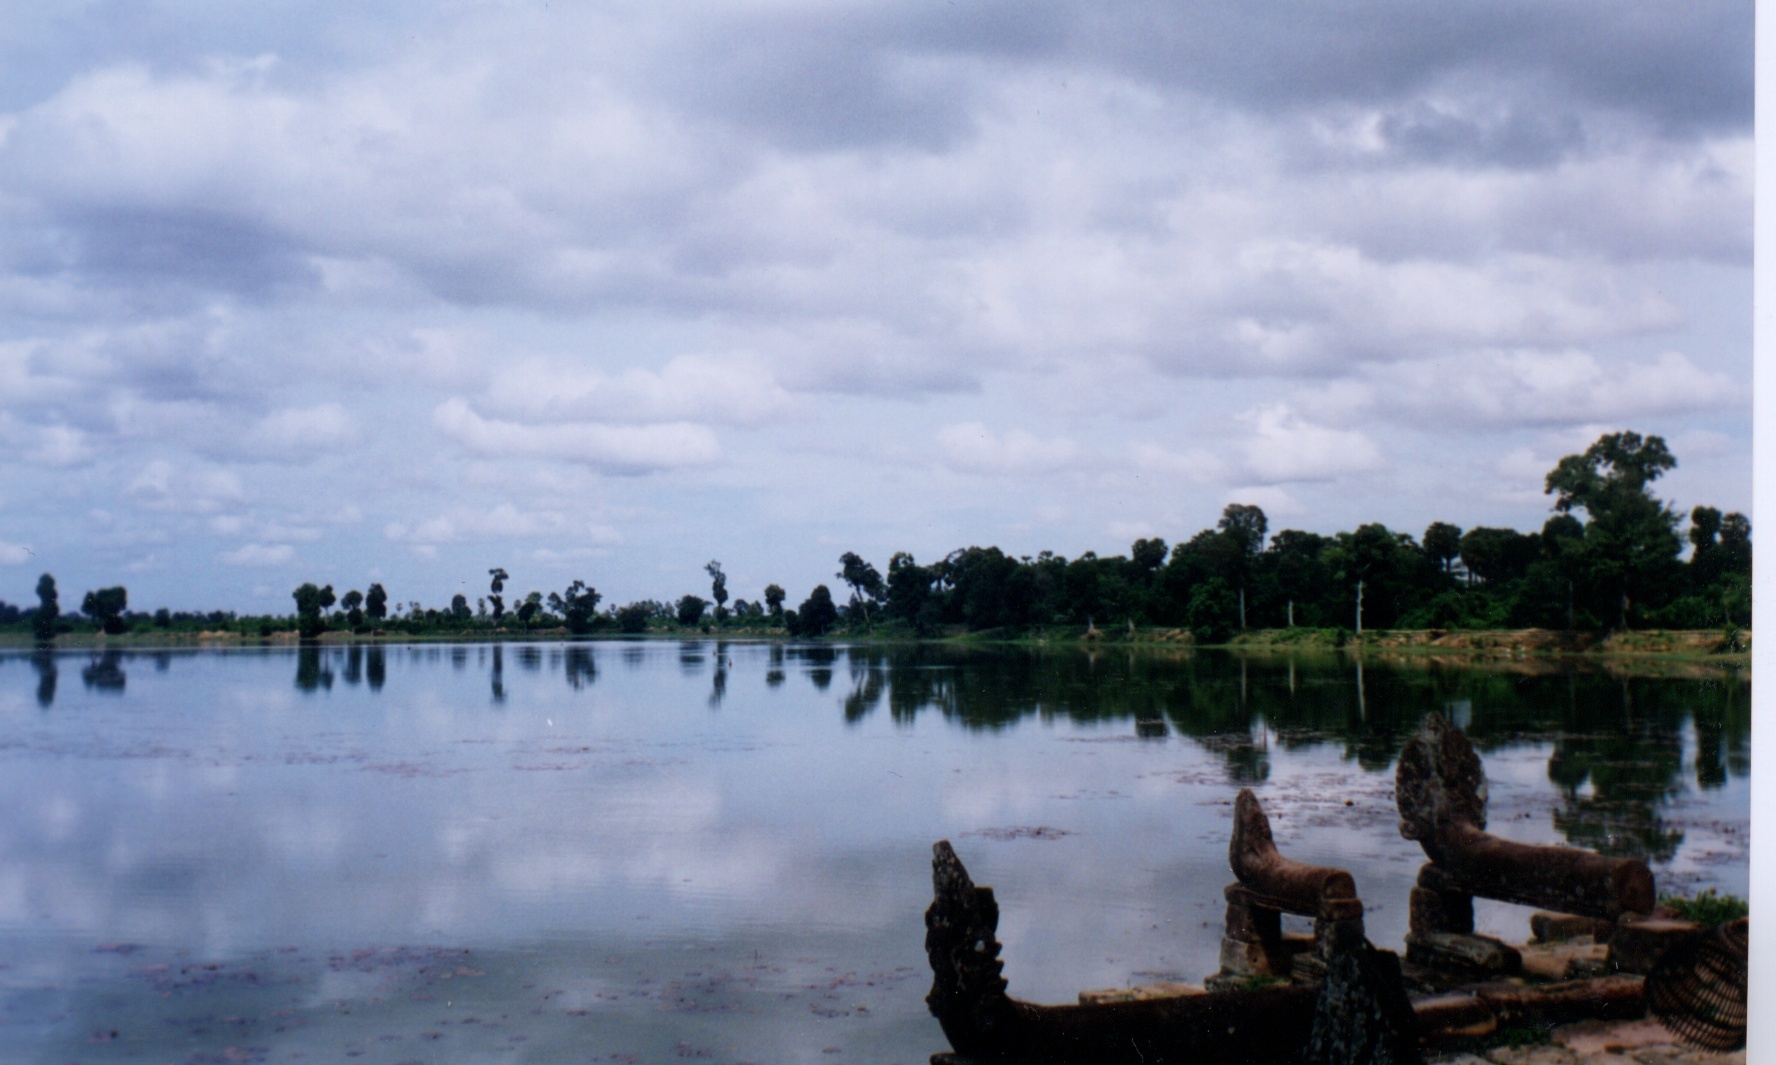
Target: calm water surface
{"x":659,"y":852}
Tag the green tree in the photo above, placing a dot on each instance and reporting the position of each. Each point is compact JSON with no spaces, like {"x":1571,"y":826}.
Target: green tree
{"x":1735,"y":544}
{"x":690,"y":610}
{"x":909,"y":589}
{"x":774,"y":596}
{"x":1631,"y":546}
{"x":310,"y":602}
{"x":496,"y":590}
{"x":459,"y":606}
{"x":578,"y":607}
{"x":49,"y":610}
{"x":1496,"y":555}
{"x":1442,"y":542}
{"x":866,"y":583}
{"x":1244,"y":525}
{"x":353,"y":602}
{"x":718,"y":589}
{"x":106,"y":607}
{"x":633,"y":618}
{"x":1148,"y":555}
{"x":817,"y":613}
{"x":528,"y":609}
{"x":376,"y":603}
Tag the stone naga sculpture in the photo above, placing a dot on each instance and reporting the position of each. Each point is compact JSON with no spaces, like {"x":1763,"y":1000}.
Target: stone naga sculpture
{"x":1440,"y":789}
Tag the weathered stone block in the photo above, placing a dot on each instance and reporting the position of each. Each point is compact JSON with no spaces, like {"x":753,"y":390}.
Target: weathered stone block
{"x":1565,"y":959}
{"x":1440,"y":911}
{"x":1333,"y":936}
{"x":1443,"y":950}
{"x":1639,"y":942}
{"x":1252,"y":924}
{"x":1548,"y":927}
{"x":1241,"y":959}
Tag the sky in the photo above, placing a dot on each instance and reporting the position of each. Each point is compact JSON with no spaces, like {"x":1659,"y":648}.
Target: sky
{"x":401,"y":292}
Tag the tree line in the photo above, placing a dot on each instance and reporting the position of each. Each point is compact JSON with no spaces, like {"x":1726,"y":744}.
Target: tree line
{"x":1610,"y":556}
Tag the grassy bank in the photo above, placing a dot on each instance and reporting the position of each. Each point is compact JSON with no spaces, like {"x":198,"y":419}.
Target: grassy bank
{"x":1680,"y":644}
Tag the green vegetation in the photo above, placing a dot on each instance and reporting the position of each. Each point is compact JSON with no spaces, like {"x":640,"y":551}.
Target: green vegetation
{"x":1707,"y":909}
{"x":1618,"y":568}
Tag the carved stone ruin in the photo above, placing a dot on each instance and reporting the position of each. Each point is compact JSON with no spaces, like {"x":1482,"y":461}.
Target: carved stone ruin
{"x":1440,"y":788}
{"x":1269,"y":885}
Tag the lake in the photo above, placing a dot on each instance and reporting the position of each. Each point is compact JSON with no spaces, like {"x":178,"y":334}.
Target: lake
{"x":720,"y":852}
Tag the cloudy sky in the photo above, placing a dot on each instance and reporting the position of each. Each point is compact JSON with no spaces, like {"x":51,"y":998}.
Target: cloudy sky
{"x":343,"y":292}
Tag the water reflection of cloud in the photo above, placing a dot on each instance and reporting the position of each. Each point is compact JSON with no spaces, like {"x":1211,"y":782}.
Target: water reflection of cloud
{"x":772,"y":813}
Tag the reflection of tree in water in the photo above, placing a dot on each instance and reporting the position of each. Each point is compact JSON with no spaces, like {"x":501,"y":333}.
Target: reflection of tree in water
{"x":44,"y":662}
{"x":459,"y":658}
{"x":530,"y":659}
{"x":690,"y":658}
{"x":579,"y":666}
{"x":1632,"y":760}
{"x":353,"y":673}
{"x":104,"y":673}
{"x":375,"y":667}
{"x":498,"y":675}
{"x":313,"y":670}
{"x":774,"y":670}
{"x":1629,"y":752}
{"x":1723,"y":734}
{"x":820,"y":659}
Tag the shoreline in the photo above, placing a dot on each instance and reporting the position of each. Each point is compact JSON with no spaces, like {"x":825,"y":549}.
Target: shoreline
{"x":1474,"y":645}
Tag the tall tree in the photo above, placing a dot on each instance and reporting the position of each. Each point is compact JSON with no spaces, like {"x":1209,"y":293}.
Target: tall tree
{"x":577,"y":606}
{"x":1244,"y":525}
{"x":106,"y":607}
{"x":1631,"y":545}
{"x":1148,"y":555}
{"x":718,"y":588}
{"x":774,"y":596}
{"x":1442,"y":542}
{"x":310,"y":602}
{"x":376,"y":603}
{"x":528,"y":609}
{"x":353,"y":602}
{"x":817,"y":613}
{"x":496,"y":589}
{"x":49,"y":610}
{"x":866,"y":583}
{"x":690,"y":610}
{"x":1498,"y":554}
{"x":909,"y":588}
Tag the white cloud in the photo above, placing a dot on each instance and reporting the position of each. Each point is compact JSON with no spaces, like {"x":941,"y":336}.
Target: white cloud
{"x":501,"y":522}
{"x":727,"y":390}
{"x":613,"y":448}
{"x":973,"y":448}
{"x":14,"y":554}
{"x":1524,"y":388}
{"x":186,"y":489}
{"x":298,"y":431}
{"x":585,"y":242}
{"x":260,"y":555}
{"x":1196,"y":465}
{"x":1282,"y":447}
